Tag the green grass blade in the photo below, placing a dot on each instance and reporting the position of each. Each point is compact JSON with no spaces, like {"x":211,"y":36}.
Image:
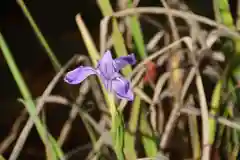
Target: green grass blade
{"x":137,"y":33}
{"x":148,"y":139}
{"x":117,"y":129}
{"x":129,"y":148}
{"x":30,"y":106}
{"x":215,"y":103}
{"x":92,"y":50}
{"x":194,"y":135}
{"x":223,"y":14}
{"x":225,"y":17}
{"x":40,"y":36}
{"x":56,"y":148}
{"x":120,"y":49}
{"x":150,"y":146}
{"x":118,"y":41}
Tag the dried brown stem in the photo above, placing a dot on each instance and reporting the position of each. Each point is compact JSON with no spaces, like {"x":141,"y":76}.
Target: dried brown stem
{"x":23,"y":135}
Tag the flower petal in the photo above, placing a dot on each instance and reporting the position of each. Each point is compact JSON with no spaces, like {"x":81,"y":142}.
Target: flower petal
{"x":123,"y":61}
{"x":121,"y":87}
{"x":105,"y":65}
{"x":79,"y":74}
{"x":106,"y":83}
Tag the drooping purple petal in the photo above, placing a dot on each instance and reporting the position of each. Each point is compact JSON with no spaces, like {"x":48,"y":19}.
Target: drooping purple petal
{"x":105,"y":65}
{"x":121,"y":62}
{"x":79,"y":74}
{"x":122,"y":89}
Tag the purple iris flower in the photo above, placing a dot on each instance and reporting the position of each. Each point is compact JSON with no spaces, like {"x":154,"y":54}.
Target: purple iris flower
{"x":108,"y":71}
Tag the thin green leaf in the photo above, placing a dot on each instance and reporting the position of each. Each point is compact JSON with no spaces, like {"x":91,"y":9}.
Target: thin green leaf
{"x":117,"y":131}
{"x":30,"y":105}
{"x":40,"y":36}
{"x":117,"y":119}
{"x":118,"y":41}
{"x":148,"y":139}
{"x":137,"y":33}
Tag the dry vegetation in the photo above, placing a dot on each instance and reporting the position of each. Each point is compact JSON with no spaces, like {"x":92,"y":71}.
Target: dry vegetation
{"x":187,"y":109}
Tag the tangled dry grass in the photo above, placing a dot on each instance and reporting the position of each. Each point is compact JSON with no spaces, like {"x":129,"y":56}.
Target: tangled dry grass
{"x":178,"y":105}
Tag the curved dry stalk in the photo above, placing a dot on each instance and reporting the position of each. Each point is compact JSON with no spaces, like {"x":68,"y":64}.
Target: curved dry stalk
{"x":211,"y":72}
{"x":185,"y":15}
{"x":173,"y":115}
{"x":136,"y":79}
{"x":151,"y":21}
{"x":162,"y":59}
{"x":171,"y":21}
{"x":23,"y":135}
{"x":170,"y":125}
{"x":159,"y":53}
{"x":96,"y":149}
{"x":96,"y":90}
{"x":160,"y":10}
{"x":134,"y":82}
{"x":104,"y":139}
{"x":183,"y":93}
{"x":204,"y":111}
{"x":154,"y":40}
{"x":99,"y":128}
{"x":187,"y":110}
{"x":177,"y":13}
{"x":13,"y":133}
{"x":159,"y":86}
{"x":62,"y":100}
{"x":103,"y":34}
{"x":140,"y":69}
{"x":204,"y":115}
{"x":76,"y":150}
{"x":142,"y":95}
{"x":137,"y":90}
{"x":56,"y":99}
{"x":195,"y":29}
{"x":187,"y":83}
{"x":84,"y":89}
{"x":191,"y":110}
{"x":212,"y":37}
